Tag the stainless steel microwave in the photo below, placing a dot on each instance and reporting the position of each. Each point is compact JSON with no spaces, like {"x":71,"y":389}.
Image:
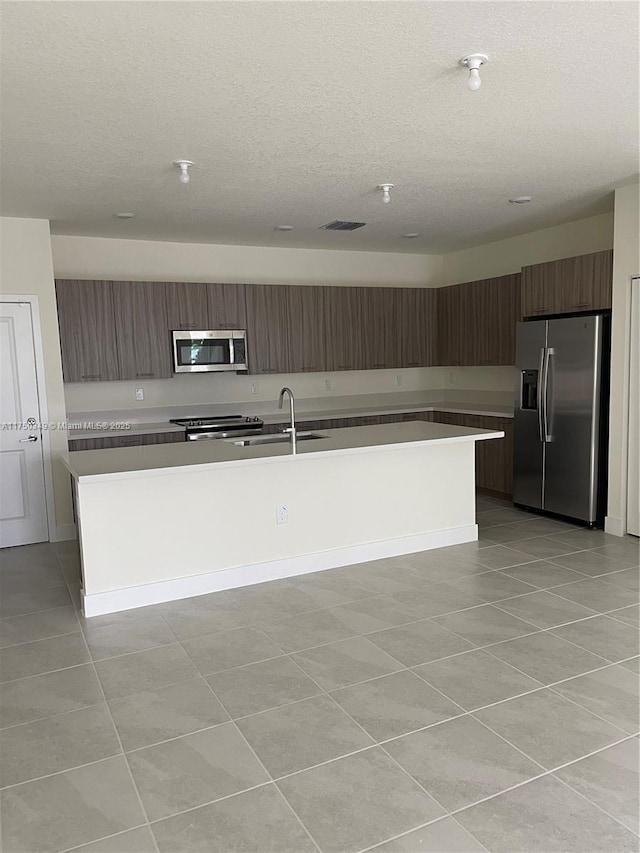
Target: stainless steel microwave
{"x":204,"y":352}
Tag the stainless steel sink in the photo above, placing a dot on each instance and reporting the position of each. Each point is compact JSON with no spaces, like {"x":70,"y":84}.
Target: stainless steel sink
{"x":277,"y":438}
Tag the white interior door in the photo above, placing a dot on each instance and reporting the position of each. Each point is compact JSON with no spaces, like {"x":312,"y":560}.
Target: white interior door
{"x":633,"y":481}
{"x":23,"y":508}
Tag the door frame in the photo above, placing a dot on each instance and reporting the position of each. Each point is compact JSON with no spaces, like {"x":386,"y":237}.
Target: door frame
{"x":32,"y":301}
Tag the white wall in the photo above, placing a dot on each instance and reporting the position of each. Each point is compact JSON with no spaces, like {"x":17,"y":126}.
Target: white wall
{"x":26,"y":268}
{"x":626,"y":263}
{"x":507,"y":256}
{"x":147,"y":260}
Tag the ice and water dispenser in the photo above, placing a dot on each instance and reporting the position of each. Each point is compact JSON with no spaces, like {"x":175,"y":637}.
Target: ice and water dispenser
{"x":529,"y":389}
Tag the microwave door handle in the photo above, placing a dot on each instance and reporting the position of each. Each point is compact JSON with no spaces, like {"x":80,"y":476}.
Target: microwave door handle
{"x":540,"y":394}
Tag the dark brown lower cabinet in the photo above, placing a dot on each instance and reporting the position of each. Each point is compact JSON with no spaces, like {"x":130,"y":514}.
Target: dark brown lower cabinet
{"x":125,"y":441}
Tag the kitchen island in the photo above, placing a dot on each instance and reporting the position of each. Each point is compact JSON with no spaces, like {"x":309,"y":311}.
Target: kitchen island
{"x":164,"y":522}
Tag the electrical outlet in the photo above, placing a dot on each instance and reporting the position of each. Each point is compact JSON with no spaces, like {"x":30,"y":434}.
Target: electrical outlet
{"x":139,"y":393}
{"x":255,"y":387}
{"x":282,"y":515}
{"x":398,"y":379}
{"x":328,"y":385}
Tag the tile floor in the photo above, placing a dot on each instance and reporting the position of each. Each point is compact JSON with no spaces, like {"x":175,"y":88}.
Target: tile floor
{"x":482,"y":697}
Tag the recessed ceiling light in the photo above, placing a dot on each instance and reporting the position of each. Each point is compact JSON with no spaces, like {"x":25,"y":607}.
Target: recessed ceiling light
{"x":411,"y":235}
{"x":283,"y":228}
{"x":123,"y":215}
{"x":520,"y":199}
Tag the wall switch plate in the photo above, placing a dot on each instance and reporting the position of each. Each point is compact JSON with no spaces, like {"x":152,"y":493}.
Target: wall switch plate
{"x":282,"y":515}
{"x":139,"y":393}
{"x":398,"y":379}
{"x":255,"y":387}
{"x":328,"y":385}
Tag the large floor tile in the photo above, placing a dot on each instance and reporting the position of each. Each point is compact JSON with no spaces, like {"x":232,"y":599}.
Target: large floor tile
{"x":258,"y":821}
{"x":38,"y":626}
{"x":133,"y":841}
{"x":193,"y":770}
{"x":419,"y":642}
{"x":500,"y":557}
{"x":152,"y":716}
{"x":19,"y":579}
{"x":441,"y":564}
{"x":40,"y":556}
{"x":543,"y":574}
{"x":357,"y":801}
{"x":611,"y":693}
{"x":544,"y":609}
{"x":629,"y":578}
{"x":460,"y":762}
{"x":302,"y":735}
{"x":437,"y":600}
{"x":70,"y":808}
{"x":585,"y":539}
{"x":632,"y":664}
{"x":215,"y":652}
{"x":195,"y":617}
{"x":542,"y":548}
{"x":628,"y":615}
{"x":493,"y":586}
{"x":597,"y":562}
{"x":603,"y":636}
{"x":131,"y":633}
{"x":548,"y":728}
{"x":324,"y":590}
{"x":260,"y":686}
{"x":346,"y":662}
{"x":147,"y":670}
{"x":507,"y":534}
{"x":610,"y":780}
{"x":395,"y":704}
{"x":597,"y":594}
{"x":42,"y":656}
{"x":442,"y":836}
{"x":373,"y":614}
{"x":475,"y":679}
{"x":56,"y":744}
{"x":545,"y":815}
{"x":547,"y":658}
{"x":41,"y":696}
{"x":393,"y":574}
{"x":29,"y":600}
{"x":494,"y":517}
{"x":307,"y":630}
{"x":485,"y":624}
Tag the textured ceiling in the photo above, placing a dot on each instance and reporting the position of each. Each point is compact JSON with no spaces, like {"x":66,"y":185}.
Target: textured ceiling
{"x":294,"y":111}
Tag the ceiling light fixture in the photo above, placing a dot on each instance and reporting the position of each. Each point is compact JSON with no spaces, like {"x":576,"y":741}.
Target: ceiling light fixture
{"x":183,"y":165}
{"x":386,"y":192}
{"x":473,"y":62}
{"x":411,"y":235}
{"x":520,"y":199}
{"x":284,"y":228}
{"x":123,"y":215}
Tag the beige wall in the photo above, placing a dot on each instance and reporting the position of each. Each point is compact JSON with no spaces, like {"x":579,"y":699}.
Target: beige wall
{"x":506,"y":256}
{"x":26,"y":268}
{"x":101,"y":257}
{"x":626,"y":263}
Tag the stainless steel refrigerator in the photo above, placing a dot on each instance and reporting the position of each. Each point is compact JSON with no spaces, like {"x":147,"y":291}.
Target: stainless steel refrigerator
{"x":560,"y":419}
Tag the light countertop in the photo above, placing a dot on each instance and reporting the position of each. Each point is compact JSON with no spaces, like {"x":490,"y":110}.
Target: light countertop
{"x":162,"y":459}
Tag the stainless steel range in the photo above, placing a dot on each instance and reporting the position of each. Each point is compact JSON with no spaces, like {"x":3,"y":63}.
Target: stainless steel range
{"x":220,"y":426}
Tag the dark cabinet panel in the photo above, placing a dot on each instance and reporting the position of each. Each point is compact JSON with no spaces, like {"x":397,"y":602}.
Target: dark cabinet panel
{"x":345,"y":332}
{"x":306,"y":329}
{"x":267,"y":328}
{"x":125,"y":441}
{"x":188,"y":305}
{"x":226,"y":306}
{"x":144,"y":347}
{"x":380,"y":316}
{"x":581,"y":283}
{"x":87,"y":330}
{"x":449,"y":308}
{"x":417,"y":326}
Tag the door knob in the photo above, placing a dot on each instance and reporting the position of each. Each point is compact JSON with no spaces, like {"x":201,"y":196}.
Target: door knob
{"x":30,"y":438}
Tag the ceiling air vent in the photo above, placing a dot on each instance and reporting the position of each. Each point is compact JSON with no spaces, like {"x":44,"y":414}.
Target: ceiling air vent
{"x":340,"y":225}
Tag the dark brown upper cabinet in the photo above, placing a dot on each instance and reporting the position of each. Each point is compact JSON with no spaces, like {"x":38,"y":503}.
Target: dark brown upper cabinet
{"x":582,"y":283}
{"x":450,"y":323}
{"x":144,"y":347}
{"x":87,"y":330}
{"x":187,"y":305}
{"x":226,"y":306}
{"x":267,"y":328}
{"x":346,"y":334}
{"x":306,"y":338}
{"x":417,"y":326}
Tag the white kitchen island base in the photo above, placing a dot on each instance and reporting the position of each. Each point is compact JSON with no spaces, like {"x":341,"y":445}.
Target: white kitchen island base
{"x":153,"y":531}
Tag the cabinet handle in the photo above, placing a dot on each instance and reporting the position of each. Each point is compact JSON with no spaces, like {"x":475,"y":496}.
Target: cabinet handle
{"x":375,"y":366}
{"x":539,"y":310}
{"x":581,"y":305}
{"x":91,"y":376}
{"x":413,"y":364}
{"x":343,"y":367}
{"x":145,"y":375}
{"x":188,"y":325}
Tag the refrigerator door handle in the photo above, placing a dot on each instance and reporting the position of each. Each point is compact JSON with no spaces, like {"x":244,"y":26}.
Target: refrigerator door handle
{"x":547,"y":437}
{"x":540,"y":395}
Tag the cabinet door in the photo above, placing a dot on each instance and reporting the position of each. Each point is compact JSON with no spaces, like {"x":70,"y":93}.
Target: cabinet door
{"x":581,"y":283}
{"x":449,"y":306}
{"x":496,"y":308}
{"x":345,"y":333}
{"x":125,"y":441}
{"x":187,"y":305}
{"x":226,"y":306}
{"x":87,"y":330}
{"x":267,"y":329}
{"x":307,"y":343}
{"x":144,"y":347}
{"x":417,"y":326}
{"x":380,"y":317}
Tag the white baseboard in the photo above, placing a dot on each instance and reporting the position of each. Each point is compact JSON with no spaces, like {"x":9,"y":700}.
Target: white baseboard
{"x":173,"y":590}
{"x":63,"y":533}
{"x":614,"y":526}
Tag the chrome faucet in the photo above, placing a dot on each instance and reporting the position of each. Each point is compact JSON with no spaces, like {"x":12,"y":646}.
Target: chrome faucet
{"x":292,"y":410}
